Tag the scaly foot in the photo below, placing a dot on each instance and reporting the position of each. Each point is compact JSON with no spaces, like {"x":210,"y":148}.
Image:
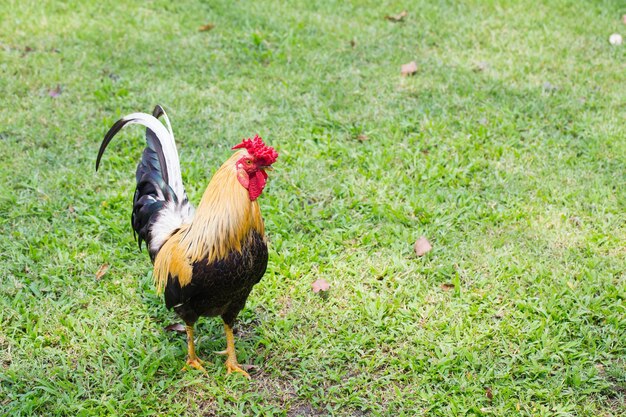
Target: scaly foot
{"x":195,"y":363}
{"x":231,"y":361}
{"x":232,"y":366}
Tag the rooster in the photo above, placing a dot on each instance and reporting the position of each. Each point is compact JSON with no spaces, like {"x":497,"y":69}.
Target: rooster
{"x":206,"y":260}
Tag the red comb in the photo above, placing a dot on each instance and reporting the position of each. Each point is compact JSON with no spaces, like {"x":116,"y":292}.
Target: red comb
{"x":265,"y":155}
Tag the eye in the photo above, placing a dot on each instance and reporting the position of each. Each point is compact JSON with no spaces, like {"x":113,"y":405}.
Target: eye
{"x":248,"y":162}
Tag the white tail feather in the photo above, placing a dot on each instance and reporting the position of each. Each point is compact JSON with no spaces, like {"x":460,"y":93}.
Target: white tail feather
{"x":166,"y":137}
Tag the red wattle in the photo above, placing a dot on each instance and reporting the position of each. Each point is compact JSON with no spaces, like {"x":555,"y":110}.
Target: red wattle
{"x":256,"y":185}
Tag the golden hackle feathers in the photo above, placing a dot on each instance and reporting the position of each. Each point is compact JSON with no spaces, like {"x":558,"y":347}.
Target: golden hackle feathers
{"x":223,"y":220}
{"x":172,"y":260}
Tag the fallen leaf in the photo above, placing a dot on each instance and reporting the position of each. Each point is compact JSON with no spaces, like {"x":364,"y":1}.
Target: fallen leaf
{"x":176,"y":327}
{"x":499,"y":315}
{"x":101,"y":271}
{"x":206,"y":28}
{"x":571,"y":285}
{"x":397,"y":17}
{"x":320,"y":285}
{"x":409,"y":69}
{"x":55,"y":92}
{"x":362,"y":138}
{"x":615,"y":39}
{"x":71,"y":209}
{"x":447,"y":286}
{"x":422,"y":246}
{"x":353,"y":43}
{"x":488,"y":393}
{"x":624,"y":19}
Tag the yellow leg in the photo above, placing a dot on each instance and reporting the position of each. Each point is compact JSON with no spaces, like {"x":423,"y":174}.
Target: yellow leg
{"x":231,"y":360}
{"x":192,"y":359}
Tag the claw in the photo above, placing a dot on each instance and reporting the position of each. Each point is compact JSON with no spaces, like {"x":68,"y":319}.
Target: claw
{"x":235,"y":367}
{"x":221,"y":352}
{"x":196,"y":364}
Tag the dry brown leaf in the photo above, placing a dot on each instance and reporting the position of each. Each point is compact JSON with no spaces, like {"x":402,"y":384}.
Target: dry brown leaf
{"x":175,"y":327}
{"x":489,"y":393}
{"x":101,"y":271}
{"x":447,"y":286}
{"x":397,"y":17}
{"x":206,"y":28}
{"x":624,"y":19}
{"x":362,"y":138}
{"x":55,"y":92}
{"x":409,"y":69}
{"x":320,"y":285}
{"x":353,"y":43}
{"x":71,"y":209}
{"x":422,"y":246}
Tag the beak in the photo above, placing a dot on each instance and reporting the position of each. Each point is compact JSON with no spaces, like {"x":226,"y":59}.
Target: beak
{"x":267,"y":168}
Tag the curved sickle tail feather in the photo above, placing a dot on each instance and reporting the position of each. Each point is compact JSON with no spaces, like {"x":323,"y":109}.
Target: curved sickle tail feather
{"x":160,"y":204}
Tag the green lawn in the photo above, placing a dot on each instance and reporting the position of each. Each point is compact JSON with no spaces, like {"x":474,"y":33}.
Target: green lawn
{"x":507,"y":150}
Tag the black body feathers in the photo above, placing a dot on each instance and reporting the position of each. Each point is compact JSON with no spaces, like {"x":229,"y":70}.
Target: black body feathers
{"x":220,"y":288}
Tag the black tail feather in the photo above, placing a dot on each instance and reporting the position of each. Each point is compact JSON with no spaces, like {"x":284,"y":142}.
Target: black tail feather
{"x":151,"y":194}
{"x":158,"y":111}
{"x":153,"y":157}
{"x":117,"y":126}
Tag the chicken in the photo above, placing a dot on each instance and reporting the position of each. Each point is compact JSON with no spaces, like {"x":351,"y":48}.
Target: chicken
{"x":206,"y":260}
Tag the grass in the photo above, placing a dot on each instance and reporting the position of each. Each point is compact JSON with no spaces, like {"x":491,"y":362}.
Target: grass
{"x":506,"y":149}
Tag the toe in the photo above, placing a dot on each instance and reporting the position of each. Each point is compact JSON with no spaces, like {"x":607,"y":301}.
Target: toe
{"x":234,"y":367}
{"x":196,"y":364}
